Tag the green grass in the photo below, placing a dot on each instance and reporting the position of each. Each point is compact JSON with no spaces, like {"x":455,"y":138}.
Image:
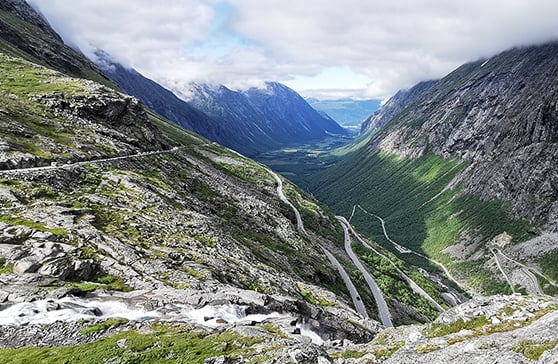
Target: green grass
{"x":6,"y":268}
{"x":22,"y":221}
{"x":308,"y":296}
{"x":482,"y":326}
{"x":549,"y":265}
{"x":29,"y":78}
{"x":175,"y":132}
{"x":532,"y":349}
{"x":393,"y":286}
{"x":103,"y":326}
{"x":437,"y":330}
{"x":164,"y":345}
{"x":407,"y":193}
{"x":348,"y":354}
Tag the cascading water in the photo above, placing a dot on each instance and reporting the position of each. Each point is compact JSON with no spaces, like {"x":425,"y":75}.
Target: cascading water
{"x":72,"y":309}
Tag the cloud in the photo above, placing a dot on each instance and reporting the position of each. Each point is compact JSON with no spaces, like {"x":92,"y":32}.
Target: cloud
{"x":240,"y":43}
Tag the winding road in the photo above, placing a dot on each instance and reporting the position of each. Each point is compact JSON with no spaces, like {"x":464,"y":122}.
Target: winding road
{"x":414,"y":286}
{"x":383,"y":310}
{"x":7,"y":172}
{"x":350,"y":286}
{"x":529,"y":272}
{"x":402,"y":249}
{"x":282,"y":197}
{"x":355,"y":297}
{"x":502,"y":270}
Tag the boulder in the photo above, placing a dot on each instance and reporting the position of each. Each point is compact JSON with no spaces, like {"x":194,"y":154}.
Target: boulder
{"x":27,"y":265}
{"x":59,"y":268}
{"x":83,"y":269}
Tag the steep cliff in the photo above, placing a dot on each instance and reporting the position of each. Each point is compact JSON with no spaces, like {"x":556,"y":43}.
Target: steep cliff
{"x":500,"y":115}
{"x":25,"y":33}
{"x":460,"y":161}
{"x":395,"y":105}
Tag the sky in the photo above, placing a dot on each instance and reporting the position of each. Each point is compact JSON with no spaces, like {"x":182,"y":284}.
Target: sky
{"x":321,"y":48}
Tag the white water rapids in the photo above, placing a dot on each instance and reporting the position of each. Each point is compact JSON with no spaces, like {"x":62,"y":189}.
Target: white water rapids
{"x":70,"y":309}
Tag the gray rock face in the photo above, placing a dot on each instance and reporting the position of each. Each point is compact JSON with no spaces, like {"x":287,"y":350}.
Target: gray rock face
{"x":395,"y":105}
{"x":501,"y":116}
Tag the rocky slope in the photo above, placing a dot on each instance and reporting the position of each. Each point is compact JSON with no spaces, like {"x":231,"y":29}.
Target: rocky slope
{"x":97,"y":197}
{"x":497,"y":329}
{"x":500,"y":116}
{"x":25,"y":33}
{"x":394,"y":106}
{"x":458,"y":163}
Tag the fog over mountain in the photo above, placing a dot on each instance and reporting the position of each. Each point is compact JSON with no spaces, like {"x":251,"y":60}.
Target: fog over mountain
{"x":372,"y":50}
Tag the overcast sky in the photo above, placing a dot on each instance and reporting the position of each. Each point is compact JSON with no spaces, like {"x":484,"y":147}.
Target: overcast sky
{"x":355,"y":48}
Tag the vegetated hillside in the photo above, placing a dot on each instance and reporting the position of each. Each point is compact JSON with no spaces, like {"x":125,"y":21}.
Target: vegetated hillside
{"x":25,"y":33}
{"x":474,"y":156}
{"x":162,"y":101}
{"x":131,"y":210}
{"x":97,"y":194}
{"x":346,"y":112}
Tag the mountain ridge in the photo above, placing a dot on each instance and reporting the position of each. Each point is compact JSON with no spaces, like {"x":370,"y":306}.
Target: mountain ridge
{"x":461,"y":162}
{"x":250,"y":121}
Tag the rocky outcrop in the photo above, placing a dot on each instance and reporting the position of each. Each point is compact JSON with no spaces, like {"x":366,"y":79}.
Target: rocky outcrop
{"x":99,"y":106}
{"x":499,"y":115}
{"x":69,"y":120}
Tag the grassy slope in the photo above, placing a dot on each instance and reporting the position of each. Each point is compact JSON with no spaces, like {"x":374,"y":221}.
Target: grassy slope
{"x":408,"y":195}
{"x":164,"y":344}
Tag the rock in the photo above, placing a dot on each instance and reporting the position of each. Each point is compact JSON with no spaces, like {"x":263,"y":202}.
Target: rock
{"x":52,"y":306}
{"x":59,"y":268}
{"x":26,"y":266}
{"x":14,"y":234}
{"x":42,"y":235}
{"x":66,"y":291}
{"x":93,"y":311}
{"x":3,"y":296}
{"x":122,"y":343}
{"x":83,"y":269}
{"x":414,"y":337}
{"x":218,"y":360}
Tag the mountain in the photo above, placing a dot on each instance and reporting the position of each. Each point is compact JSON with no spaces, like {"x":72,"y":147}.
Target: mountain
{"x":267,"y":118}
{"x":25,"y":33}
{"x":250,"y":122}
{"x":346,"y":112}
{"x":109,"y":210}
{"x":161,"y":100}
{"x":463,"y":166}
{"x":127,"y":238}
{"x":394,"y":106}
{"x":123,"y":235}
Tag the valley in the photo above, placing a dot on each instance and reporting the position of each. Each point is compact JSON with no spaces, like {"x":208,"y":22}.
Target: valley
{"x":202,"y":223}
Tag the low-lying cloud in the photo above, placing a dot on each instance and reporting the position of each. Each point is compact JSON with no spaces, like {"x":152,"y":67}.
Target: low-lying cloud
{"x":394,"y":43}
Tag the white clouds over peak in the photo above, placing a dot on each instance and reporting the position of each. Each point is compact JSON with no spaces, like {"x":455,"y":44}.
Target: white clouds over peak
{"x":389,"y":44}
